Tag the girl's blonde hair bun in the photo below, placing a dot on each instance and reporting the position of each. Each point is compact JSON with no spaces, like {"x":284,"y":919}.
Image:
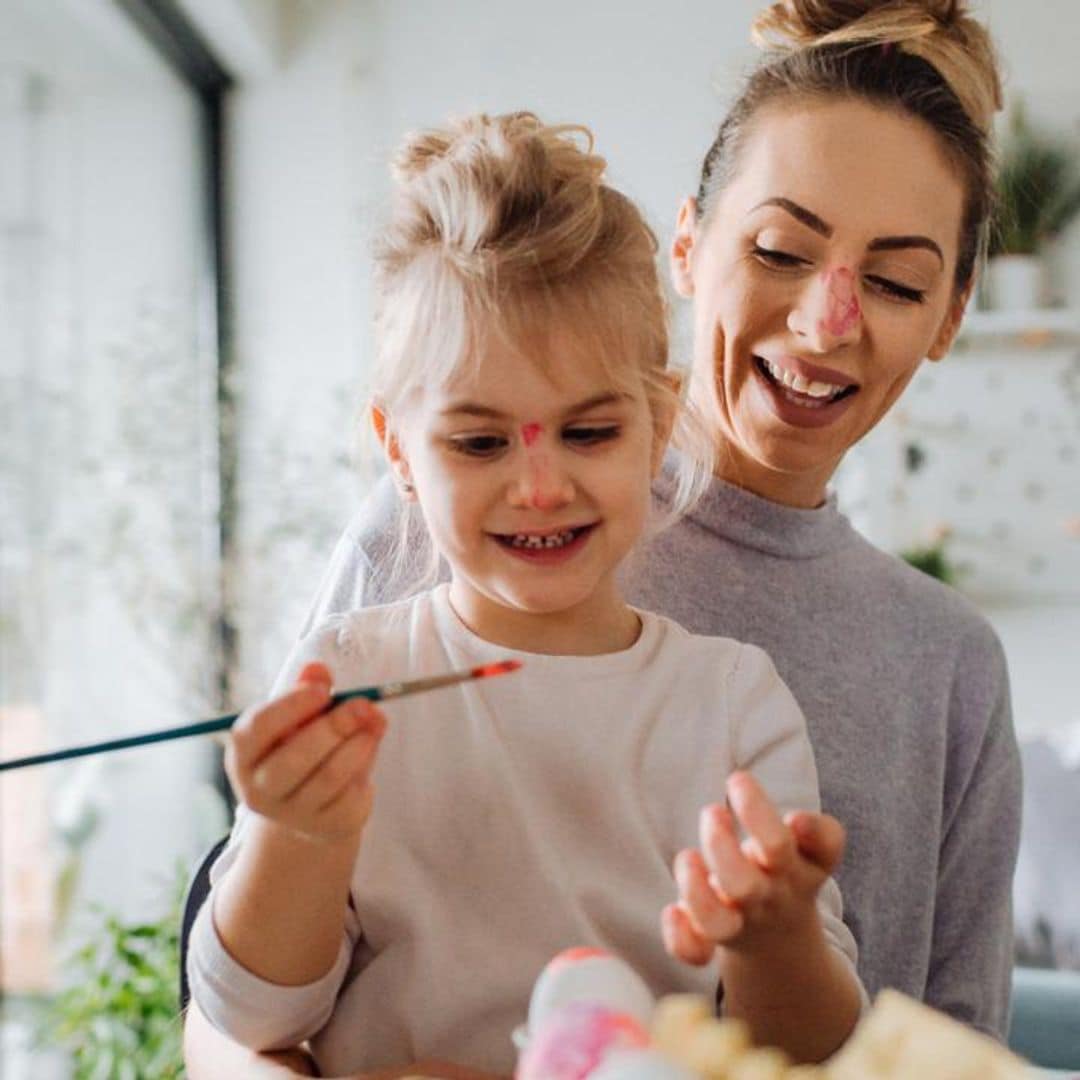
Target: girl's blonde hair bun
{"x":941,"y":32}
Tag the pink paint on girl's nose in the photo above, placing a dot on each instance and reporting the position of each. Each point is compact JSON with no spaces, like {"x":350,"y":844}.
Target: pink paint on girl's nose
{"x":530,"y":433}
{"x":842,"y":310}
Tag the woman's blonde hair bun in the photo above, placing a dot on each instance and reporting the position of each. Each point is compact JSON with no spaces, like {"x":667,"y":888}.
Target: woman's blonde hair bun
{"x":941,"y":32}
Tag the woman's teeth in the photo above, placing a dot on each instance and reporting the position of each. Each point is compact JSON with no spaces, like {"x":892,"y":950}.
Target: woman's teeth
{"x":538,"y":543}
{"x":814,"y":389}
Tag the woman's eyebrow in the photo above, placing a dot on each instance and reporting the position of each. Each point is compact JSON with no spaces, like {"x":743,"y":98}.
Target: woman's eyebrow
{"x":881,"y":243}
{"x":800,"y":213}
{"x":895,"y":243}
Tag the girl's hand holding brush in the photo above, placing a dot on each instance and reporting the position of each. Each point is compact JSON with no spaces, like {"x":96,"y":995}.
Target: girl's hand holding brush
{"x":306,"y":767}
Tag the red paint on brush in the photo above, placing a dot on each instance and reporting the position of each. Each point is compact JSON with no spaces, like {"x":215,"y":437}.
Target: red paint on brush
{"x":500,"y":667}
{"x":530,"y":433}
{"x":842,"y":309}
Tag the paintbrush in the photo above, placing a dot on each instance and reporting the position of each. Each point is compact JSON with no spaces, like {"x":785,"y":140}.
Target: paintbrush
{"x":222,"y":723}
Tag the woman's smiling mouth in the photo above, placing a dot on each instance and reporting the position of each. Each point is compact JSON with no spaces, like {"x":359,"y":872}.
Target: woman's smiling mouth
{"x":800,"y":399}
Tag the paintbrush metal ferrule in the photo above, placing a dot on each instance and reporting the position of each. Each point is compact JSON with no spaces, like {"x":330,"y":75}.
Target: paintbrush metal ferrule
{"x":222,"y":723}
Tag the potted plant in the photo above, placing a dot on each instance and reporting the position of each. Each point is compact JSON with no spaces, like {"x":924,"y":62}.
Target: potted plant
{"x":1037,"y":195}
{"x":118,"y":1016}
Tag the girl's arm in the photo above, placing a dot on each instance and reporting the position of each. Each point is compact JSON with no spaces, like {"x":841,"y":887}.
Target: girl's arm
{"x":209,"y":1055}
{"x":766,"y":903}
{"x":755,"y":903}
{"x":305,"y":773}
{"x":272,"y":938}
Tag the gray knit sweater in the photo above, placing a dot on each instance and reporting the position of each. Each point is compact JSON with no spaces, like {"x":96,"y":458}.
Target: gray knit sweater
{"x":906,"y":697}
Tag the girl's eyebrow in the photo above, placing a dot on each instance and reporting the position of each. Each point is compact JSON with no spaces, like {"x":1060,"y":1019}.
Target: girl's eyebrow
{"x":471,"y":408}
{"x":823,"y":228}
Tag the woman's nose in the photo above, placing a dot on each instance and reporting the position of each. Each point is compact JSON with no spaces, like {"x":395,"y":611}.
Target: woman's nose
{"x":541,"y":482}
{"x":828,"y":313}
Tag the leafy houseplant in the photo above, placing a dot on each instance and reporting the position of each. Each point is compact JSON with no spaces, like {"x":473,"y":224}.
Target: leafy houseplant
{"x":1037,"y":195}
{"x":119,"y":1015}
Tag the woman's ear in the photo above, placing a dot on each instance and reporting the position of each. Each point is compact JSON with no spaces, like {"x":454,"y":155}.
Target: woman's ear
{"x":395,"y":454}
{"x":950,"y":326}
{"x":682,"y":248}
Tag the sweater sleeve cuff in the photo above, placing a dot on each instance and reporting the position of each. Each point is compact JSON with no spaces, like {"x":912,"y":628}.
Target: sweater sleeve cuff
{"x":260,"y":1015}
{"x":839,"y":936}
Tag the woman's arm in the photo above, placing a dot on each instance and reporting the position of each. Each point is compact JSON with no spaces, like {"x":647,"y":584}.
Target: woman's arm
{"x":972,"y":947}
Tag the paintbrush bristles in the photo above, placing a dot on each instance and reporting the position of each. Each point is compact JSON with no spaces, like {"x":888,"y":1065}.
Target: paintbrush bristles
{"x":435,"y":682}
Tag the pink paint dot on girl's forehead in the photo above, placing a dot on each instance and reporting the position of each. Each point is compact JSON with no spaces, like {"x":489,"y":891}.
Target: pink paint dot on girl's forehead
{"x":530,"y":433}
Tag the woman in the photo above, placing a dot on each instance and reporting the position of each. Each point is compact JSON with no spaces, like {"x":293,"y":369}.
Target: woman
{"x":831,"y":247}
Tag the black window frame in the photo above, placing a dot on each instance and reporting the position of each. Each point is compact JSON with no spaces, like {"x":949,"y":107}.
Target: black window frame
{"x":172,"y":35}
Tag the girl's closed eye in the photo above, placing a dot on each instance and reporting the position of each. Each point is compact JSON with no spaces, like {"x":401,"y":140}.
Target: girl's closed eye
{"x":479,"y":445}
{"x":590,"y":434}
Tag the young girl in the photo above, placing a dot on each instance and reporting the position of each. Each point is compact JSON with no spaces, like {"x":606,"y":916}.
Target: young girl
{"x":395,"y":882}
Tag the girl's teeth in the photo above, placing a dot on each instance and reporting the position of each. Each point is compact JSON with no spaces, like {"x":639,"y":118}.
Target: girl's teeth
{"x":539,"y":543}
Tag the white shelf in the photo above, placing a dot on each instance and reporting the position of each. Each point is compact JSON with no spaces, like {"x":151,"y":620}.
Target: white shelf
{"x":1034,"y":328}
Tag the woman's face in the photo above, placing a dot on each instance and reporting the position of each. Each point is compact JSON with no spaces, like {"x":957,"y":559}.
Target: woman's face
{"x":821,"y":278}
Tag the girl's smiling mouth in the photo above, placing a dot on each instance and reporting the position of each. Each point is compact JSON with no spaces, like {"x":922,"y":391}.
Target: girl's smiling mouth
{"x":545,"y":545}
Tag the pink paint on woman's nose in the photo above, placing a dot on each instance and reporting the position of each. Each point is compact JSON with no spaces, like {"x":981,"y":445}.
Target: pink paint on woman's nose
{"x":530,"y":433}
{"x":842,"y":311}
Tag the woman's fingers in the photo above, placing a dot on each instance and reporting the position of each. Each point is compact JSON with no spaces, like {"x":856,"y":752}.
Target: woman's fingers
{"x":681,"y":939}
{"x":769,"y":842}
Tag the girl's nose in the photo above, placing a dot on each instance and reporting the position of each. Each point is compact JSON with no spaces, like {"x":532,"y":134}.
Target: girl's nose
{"x":541,"y":484}
{"x":828,"y":313}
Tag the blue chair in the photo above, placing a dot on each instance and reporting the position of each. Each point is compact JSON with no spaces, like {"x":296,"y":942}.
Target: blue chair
{"x":1045,"y":1022}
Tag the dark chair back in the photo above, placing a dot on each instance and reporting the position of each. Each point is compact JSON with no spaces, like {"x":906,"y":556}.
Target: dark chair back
{"x":197,"y":892}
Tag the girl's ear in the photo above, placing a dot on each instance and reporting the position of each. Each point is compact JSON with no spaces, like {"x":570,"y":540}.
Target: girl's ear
{"x":950,"y":327}
{"x":682,"y":248}
{"x":395,"y":454}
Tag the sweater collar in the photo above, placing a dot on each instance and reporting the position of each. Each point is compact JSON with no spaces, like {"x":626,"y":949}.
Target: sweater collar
{"x":749,"y":520}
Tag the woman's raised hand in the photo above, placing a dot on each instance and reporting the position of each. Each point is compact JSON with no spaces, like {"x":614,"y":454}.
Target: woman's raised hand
{"x":742,"y":895}
{"x":304,"y":766}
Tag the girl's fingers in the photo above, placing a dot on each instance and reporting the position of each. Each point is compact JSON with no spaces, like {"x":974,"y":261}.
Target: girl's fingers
{"x":681,"y":939}
{"x":769,"y":842}
{"x":258,"y":731}
{"x":819,"y":838}
{"x":299,"y":759}
{"x":712,"y":914}
{"x":731,"y":872}
{"x":315,"y":672}
{"x":348,"y":766}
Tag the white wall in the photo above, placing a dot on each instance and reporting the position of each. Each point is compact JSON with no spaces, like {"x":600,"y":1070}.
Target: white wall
{"x":312,"y":136}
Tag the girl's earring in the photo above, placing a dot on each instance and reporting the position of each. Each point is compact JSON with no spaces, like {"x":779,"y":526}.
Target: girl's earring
{"x":407,"y":488}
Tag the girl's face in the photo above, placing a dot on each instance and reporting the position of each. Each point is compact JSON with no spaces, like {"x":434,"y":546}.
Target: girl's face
{"x":821,"y":278}
{"x":534,"y":485}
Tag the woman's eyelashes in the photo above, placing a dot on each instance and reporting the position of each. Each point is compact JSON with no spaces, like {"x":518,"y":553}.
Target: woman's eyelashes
{"x":490,"y":445}
{"x":893,"y":290}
